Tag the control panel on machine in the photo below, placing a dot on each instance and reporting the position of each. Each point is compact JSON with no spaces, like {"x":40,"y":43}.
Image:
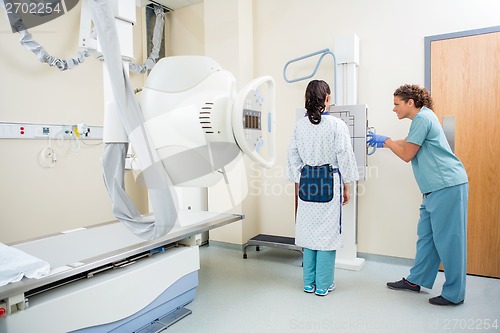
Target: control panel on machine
{"x":253,"y":121}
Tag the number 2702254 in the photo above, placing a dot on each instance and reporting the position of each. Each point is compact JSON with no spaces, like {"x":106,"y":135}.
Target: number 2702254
{"x":471,"y":324}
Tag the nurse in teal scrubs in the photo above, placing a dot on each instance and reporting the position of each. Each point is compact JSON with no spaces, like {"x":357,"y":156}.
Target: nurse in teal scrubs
{"x":442,"y":179}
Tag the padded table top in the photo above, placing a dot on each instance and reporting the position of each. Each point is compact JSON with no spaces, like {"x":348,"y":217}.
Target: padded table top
{"x":76,"y":251}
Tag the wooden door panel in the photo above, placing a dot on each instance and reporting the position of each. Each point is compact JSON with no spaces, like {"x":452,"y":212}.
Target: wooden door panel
{"x":465,"y":83}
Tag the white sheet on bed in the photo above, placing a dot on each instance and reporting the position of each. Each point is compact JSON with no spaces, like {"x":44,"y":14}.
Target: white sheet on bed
{"x":16,"y":264}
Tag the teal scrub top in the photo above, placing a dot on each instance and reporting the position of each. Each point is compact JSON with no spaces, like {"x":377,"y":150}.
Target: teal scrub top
{"x":435,"y":166}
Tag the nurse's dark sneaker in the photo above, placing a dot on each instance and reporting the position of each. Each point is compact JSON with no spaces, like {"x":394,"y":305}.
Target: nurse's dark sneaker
{"x":440,"y":300}
{"x":404,"y":285}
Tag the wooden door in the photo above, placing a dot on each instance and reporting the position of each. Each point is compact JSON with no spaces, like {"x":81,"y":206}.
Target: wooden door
{"x":465,"y":83}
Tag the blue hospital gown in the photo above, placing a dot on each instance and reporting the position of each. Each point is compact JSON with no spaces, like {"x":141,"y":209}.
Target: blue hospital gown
{"x":318,"y":224}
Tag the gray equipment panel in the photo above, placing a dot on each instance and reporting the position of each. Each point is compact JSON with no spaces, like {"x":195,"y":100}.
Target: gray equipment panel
{"x":355,"y":116}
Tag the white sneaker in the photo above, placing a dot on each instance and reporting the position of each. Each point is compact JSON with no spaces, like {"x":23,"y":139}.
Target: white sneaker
{"x":324,"y":292}
{"x":310,"y":288}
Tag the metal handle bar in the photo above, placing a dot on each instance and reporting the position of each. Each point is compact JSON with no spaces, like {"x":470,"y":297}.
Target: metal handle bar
{"x":323,"y":54}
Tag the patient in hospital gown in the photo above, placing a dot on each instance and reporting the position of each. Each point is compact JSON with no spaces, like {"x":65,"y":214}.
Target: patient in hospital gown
{"x":319,"y":139}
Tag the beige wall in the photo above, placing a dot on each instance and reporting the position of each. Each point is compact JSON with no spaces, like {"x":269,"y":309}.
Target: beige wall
{"x":185,"y":33}
{"x":392,"y":53}
{"x":34,"y":200}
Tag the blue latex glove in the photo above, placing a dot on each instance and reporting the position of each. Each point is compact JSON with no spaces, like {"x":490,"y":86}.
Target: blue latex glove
{"x":376,"y":140}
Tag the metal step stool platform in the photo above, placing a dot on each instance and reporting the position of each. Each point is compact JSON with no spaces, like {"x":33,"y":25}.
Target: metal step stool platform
{"x":272,"y":241}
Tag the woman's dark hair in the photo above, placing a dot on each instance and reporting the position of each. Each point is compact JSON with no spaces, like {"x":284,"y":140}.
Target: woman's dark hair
{"x":316,"y":93}
{"x":420,"y":96}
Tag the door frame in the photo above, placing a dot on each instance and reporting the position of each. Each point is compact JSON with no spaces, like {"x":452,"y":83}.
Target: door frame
{"x":429,"y":39}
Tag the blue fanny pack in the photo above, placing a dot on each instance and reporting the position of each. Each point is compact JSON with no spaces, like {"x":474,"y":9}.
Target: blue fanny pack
{"x":316,"y":183}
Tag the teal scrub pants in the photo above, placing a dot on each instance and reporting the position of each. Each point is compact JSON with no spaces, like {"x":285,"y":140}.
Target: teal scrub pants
{"x":442,"y":238}
{"x":319,"y":268}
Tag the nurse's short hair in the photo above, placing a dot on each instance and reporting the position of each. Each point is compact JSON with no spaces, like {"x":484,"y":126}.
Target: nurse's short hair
{"x":420,"y":96}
